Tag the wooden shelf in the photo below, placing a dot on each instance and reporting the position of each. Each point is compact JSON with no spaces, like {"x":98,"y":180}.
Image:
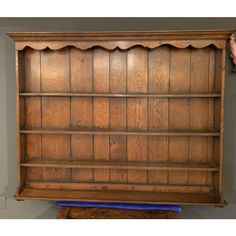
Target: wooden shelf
{"x":119,"y":132}
{"x":122,"y":165}
{"x":117,"y":95}
{"x":209,"y":199}
{"x":99,"y":186}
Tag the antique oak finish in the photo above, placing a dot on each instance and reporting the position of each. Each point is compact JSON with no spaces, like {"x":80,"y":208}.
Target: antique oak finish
{"x":121,"y":117}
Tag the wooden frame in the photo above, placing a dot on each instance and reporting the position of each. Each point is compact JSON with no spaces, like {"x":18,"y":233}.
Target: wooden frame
{"x":121,"y":117}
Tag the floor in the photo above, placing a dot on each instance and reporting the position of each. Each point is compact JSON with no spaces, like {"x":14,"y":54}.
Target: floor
{"x":49,"y":210}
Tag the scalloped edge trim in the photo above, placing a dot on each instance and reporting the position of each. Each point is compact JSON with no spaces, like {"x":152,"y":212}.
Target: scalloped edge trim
{"x":123,"y":45}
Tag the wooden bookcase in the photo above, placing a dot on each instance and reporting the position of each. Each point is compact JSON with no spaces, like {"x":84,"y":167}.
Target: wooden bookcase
{"x":121,"y":117}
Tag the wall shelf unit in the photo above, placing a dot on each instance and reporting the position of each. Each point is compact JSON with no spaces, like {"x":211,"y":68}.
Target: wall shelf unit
{"x":121,"y":117}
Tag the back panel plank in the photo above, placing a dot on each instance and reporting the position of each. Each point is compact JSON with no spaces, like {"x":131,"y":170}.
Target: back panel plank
{"x":101,"y":110}
{"x":179,"y":70}
{"x":118,"y":70}
{"x":137,"y":111}
{"x":158,"y":70}
{"x":137,"y":70}
{"x":81,"y":62}
{"x":158,"y":111}
{"x":55,"y":71}
{"x":179,"y":111}
{"x":32,"y":109}
{"x":33,"y":112}
{"x":32,"y":71}
{"x":200,"y":70}
{"x":158,"y":114}
{"x":81,"y":111}
{"x":82,"y":145}
{"x":55,"y":112}
{"x":118,"y":110}
{"x":55,"y":147}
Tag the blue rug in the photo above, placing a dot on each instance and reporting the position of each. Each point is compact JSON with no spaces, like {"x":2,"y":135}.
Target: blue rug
{"x":122,"y":206}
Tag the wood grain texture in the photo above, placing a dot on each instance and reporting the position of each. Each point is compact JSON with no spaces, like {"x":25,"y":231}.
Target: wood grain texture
{"x":179,"y":117}
{"x":179,"y":114}
{"x":139,"y":165}
{"x":101,"y":70}
{"x":137,"y":111}
{"x":158,"y":114}
{"x":209,"y":199}
{"x":33,"y":147}
{"x":158,"y":149}
{"x":82,"y":149}
{"x":122,"y":40}
{"x":56,"y":174}
{"x":158,"y":70}
{"x":101,"y":110}
{"x":179,"y":78}
{"x":21,"y":112}
{"x":55,"y":70}
{"x":118,"y":71}
{"x":81,"y":112}
{"x":85,"y":186}
{"x":82,"y":145}
{"x":32,"y":70}
{"x":137,"y":70}
{"x":118,"y":113}
{"x":133,"y":120}
{"x":33,"y":112}
{"x":56,"y":147}
{"x":33,"y":174}
{"x":218,"y":70}
{"x":137,"y":114}
{"x":55,"y":113}
{"x":200,"y":70}
{"x":20,"y":121}
{"x":81,"y":70}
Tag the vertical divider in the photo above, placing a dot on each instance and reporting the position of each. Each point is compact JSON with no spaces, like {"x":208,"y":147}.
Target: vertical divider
{"x":223,"y":57}
{"x":168,"y":143}
{"x":211,"y":101}
{"x":101,"y":110}
{"x":117,"y":111}
{"x":93,"y":125}
{"x":70,"y":98}
{"x":137,"y":113}
{"x":41,"y":103}
{"x":109,"y":101}
{"x":21,"y":171}
{"x":189,"y":111}
{"x":148,"y":91}
{"x":179,"y":83}
{"x":126,"y":109}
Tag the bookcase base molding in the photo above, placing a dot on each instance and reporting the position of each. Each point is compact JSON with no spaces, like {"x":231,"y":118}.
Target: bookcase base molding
{"x":135,"y":117}
{"x":206,"y":199}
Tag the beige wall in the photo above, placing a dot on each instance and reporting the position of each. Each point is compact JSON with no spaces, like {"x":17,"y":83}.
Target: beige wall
{"x":40,"y":209}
